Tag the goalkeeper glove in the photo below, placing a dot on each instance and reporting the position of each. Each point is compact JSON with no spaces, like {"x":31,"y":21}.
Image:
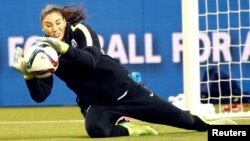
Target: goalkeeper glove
{"x":57,"y":44}
{"x":19,"y":64}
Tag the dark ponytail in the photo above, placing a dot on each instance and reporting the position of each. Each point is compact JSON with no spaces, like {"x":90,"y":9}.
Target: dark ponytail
{"x":74,"y":14}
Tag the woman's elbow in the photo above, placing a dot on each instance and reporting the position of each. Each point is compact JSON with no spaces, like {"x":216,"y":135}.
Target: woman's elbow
{"x":38,"y":99}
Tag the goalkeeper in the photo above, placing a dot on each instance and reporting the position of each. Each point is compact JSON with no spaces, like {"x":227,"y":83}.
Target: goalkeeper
{"x":104,"y":90}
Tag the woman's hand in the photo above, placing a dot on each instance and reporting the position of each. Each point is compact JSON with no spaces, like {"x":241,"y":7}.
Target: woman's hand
{"x":57,"y":44}
{"x":19,"y":64}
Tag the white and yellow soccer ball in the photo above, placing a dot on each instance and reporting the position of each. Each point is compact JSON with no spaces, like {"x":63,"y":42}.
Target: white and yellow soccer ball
{"x":41,"y":60}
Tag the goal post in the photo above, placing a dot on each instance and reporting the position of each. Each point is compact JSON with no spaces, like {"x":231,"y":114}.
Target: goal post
{"x":191,"y":74}
{"x":216,"y":34}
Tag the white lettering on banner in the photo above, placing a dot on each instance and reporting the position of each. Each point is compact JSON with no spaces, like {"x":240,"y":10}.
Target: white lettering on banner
{"x":116,"y":49}
{"x":133,"y":58}
{"x":246,"y":51}
{"x":16,"y":41}
{"x":218,"y":46}
{"x":206,"y":51}
{"x":177,"y":47}
{"x":148,"y":43}
{"x":220,"y":43}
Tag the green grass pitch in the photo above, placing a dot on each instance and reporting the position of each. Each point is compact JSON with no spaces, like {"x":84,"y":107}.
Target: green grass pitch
{"x":65,"y":123}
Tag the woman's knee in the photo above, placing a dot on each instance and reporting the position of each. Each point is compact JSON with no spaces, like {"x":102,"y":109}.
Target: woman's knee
{"x":96,"y":130}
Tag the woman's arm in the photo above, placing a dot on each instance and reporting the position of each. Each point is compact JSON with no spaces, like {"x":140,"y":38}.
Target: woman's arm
{"x":40,"y":89}
{"x":88,"y":56}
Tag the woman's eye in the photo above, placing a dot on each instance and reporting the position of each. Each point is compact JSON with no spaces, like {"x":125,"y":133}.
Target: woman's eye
{"x":48,"y":25}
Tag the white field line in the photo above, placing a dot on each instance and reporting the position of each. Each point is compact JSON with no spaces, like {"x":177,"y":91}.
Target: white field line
{"x":40,"y":122}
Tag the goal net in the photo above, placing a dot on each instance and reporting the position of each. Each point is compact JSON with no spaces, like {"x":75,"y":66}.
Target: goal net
{"x":220,"y":41}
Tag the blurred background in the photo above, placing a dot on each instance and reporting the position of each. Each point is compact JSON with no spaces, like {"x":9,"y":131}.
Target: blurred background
{"x":144,"y":35}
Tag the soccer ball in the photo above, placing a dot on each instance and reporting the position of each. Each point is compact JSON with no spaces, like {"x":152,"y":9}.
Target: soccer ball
{"x":41,"y":60}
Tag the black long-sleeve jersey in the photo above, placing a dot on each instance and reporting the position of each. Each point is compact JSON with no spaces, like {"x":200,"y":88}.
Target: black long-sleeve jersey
{"x":94,"y":77}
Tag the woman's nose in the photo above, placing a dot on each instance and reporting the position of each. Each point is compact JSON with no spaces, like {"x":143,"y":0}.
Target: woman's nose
{"x":54,"y":28}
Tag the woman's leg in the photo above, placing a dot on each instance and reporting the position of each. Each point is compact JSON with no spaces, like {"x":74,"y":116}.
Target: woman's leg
{"x":100,"y":121}
{"x":143,"y":104}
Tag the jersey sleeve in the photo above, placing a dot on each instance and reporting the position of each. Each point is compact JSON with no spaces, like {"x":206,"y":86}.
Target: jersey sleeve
{"x":40,"y":89}
{"x":88,"y":56}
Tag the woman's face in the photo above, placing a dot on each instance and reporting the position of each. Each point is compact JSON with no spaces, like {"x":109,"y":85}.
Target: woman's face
{"x":54,"y":25}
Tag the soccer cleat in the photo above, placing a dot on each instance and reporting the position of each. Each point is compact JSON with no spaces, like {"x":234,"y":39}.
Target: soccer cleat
{"x":222,"y":122}
{"x":138,"y":130}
